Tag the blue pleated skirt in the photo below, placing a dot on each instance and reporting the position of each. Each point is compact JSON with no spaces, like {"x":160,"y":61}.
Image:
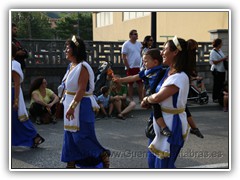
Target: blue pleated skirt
{"x":82,"y":146}
{"x":23,"y":133}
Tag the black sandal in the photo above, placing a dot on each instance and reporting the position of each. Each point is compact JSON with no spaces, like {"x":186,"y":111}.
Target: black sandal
{"x":37,"y":141}
{"x":196,"y":132}
{"x":166,"y":132}
{"x":71,"y":165}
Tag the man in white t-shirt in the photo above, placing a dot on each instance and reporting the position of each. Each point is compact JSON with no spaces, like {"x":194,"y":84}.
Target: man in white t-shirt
{"x":131,"y":55}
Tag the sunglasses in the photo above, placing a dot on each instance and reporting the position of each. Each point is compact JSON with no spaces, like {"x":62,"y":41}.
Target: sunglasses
{"x":135,"y":34}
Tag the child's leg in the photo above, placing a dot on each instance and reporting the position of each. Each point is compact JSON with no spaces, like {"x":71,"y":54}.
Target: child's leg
{"x":190,"y":119}
{"x":160,"y":121}
{"x":110,"y":109}
{"x":164,"y":129}
{"x":194,"y":129}
{"x":191,"y":122}
{"x":103,"y":109}
{"x":118,"y":105}
{"x":225,"y":103}
{"x":130,"y":107}
{"x":158,"y":115}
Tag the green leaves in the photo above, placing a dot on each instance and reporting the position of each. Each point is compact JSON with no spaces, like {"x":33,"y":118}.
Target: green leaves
{"x":53,"y":25}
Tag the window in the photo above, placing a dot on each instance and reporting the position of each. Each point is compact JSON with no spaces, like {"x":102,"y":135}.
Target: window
{"x":104,"y":19}
{"x":134,"y":15}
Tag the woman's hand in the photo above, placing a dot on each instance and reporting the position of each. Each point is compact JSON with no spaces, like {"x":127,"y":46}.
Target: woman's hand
{"x":50,"y":105}
{"x":49,"y":110}
{"x":144,"y":103}
{"x":70,"y":114}
{"x":15,"y":106}
{"x":117,"y":98}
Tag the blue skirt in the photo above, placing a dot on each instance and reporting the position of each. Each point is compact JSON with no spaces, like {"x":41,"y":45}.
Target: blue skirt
{"x":82,"y":146}
{"x":151,"y":157}
{"x":23,"y":133}
{"x":176,"y":143}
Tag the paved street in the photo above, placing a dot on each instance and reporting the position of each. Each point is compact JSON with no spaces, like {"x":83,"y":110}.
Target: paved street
{"x":128,"y":144}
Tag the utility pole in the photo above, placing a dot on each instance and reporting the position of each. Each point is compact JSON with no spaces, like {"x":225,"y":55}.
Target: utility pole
{"x":154,"y":28}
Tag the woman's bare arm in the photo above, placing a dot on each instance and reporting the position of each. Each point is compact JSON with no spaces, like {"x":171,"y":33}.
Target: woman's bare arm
{"x":16,"y":80}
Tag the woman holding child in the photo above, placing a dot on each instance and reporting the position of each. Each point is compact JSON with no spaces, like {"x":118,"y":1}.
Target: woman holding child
{"x":171,"y":94}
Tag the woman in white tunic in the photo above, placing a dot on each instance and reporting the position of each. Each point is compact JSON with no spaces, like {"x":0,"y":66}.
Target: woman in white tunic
{"x":80,"y":145}
{"x":23,"y":131}
{"x":172,"y":92}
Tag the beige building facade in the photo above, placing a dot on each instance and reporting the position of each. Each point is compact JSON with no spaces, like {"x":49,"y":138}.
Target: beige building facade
{"x":115,"y":26}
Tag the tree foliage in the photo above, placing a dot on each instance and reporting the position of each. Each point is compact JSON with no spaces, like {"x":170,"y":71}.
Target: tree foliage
{"x":33,"y":25}
{"x":77,"y":23}
{"x":36,"y":25}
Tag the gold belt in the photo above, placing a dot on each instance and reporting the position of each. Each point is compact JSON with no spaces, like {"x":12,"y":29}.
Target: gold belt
{"x":73,"y":93}
{"x":173,"y":111}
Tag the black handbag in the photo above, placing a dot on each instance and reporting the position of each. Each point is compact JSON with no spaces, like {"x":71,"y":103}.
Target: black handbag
{"x":149,"y":131}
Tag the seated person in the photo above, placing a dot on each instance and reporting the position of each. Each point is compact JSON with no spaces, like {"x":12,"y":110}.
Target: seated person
{"x":197,"y":83}
{"x":104,"y":102}
{"x":223,"y":99}
{"x":43,"y":102}
{"x":118,"y":96}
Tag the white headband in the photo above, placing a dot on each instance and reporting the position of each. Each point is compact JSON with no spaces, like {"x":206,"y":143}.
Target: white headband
{"x":75,"y":40}
{"x":176,"y":43}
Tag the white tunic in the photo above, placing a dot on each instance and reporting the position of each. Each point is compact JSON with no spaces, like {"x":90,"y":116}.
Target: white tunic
{"x":71,"y":88}
{"x":22,"y":111}
{"x":160,"y":146}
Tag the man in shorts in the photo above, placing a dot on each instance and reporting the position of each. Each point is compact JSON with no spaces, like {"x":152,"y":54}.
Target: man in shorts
{"x":131,"y":55}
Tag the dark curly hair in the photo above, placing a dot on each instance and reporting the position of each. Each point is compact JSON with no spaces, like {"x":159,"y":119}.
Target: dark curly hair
{"x":35,"y":84}
{"x":79,"y":51}
{"x":145,"y":41}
